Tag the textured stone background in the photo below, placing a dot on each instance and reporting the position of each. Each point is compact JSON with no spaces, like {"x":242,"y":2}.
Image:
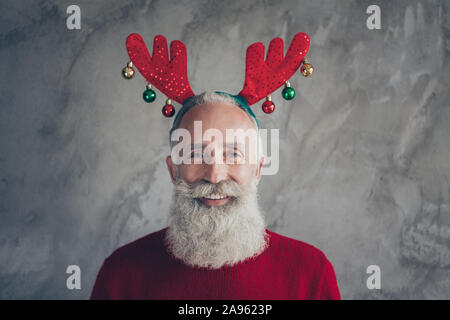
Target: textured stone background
{"x":365,"y":146}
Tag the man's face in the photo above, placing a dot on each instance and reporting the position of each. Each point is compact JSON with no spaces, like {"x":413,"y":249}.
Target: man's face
{"x":221,"y":117}
{"x":215,"y":219}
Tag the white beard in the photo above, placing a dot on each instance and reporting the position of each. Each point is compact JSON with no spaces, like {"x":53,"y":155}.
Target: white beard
{"x":212,"y":237}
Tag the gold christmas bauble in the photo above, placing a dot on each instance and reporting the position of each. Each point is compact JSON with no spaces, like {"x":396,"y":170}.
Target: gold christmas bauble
{"x":128,"y":72}
{"x":307,"y":69}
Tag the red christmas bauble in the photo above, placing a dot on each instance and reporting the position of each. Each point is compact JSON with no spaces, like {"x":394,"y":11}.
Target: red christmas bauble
{"x":268,"y":106}
{"x":168,"y":110}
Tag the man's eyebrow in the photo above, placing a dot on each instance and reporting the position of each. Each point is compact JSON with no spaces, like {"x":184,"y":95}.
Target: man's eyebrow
{"x":234,"y":145}
{"x":197,"y":146}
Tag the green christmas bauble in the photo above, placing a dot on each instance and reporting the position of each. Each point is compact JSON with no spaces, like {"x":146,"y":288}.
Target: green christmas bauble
{"x":288,"y":93}
{"x":149,"y":95}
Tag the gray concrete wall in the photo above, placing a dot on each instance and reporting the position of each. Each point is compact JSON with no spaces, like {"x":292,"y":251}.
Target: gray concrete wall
{"x":365,"y":145}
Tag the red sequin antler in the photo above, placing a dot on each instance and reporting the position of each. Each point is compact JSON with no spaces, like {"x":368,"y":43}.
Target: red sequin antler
{"x":170,"y":77}
{"x":264,"y":77}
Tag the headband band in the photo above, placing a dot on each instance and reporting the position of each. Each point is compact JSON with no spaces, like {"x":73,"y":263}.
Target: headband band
{"x":240,"y":101}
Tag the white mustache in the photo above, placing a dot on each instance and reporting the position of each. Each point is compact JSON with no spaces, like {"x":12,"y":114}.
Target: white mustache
{"x":205,"y":189}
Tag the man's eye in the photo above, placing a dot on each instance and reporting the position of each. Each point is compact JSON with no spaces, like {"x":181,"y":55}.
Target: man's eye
{"x":233,"y":154}
{"x":196,"y":155}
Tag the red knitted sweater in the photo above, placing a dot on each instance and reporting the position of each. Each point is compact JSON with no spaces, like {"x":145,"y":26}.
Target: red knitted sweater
{"x":287,"y":269}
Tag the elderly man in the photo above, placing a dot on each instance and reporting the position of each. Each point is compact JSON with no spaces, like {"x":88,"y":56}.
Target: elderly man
{"x":216,"y":245}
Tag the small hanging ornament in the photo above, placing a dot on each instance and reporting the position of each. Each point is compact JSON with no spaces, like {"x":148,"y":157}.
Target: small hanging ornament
{"x":149,"y":95}
{"x":268,"y":106}
{"x":128,"y":71}
{"x":288,"y":92}
{"x":168,"y":110}
{"x":307,"y":69}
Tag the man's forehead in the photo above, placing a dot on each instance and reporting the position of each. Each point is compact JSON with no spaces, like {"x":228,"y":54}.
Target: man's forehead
{"x":220,"y":116}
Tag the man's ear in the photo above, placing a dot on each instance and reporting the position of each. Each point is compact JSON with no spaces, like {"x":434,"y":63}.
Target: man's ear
{"x":258,"y":169}
{"x":172,"y":169}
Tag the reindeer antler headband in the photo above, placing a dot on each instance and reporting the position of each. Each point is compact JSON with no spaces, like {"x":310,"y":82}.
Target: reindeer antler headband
{"x":262,"y":77}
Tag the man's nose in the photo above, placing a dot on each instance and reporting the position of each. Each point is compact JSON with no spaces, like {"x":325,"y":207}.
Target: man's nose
{"x":215,"y":173}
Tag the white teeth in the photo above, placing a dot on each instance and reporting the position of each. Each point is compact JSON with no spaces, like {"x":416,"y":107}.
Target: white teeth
{"x":215,"y":196}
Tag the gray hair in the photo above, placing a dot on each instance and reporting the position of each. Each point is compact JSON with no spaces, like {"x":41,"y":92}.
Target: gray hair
{"x":208,"y":97}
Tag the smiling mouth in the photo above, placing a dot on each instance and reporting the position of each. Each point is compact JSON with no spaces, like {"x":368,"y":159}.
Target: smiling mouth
{"x":215,"y":200}
{"x":215,"y":196}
